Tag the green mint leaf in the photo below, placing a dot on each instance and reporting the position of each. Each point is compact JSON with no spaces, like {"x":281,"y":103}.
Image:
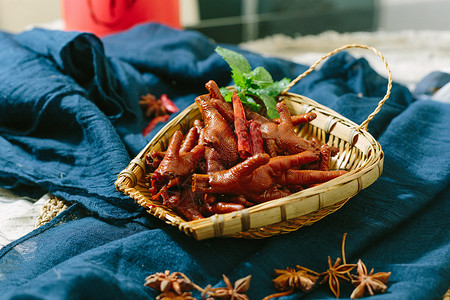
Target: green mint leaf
{"x":240,"y":80}
{"x":249,"y":102}
{"x":257,"y":82}
{"x":260,"y":77}
{"x":238,"y":63}
{"x":277,"y":87}
{"x":271,"y":105}
{"x":224,"y":91}
{"x":228,"y":97}
{"x":269,"y":101}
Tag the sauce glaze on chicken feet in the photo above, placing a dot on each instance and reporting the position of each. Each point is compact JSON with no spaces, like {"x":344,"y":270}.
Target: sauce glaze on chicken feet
{"x":204,"y":173}
{"x":257,"y":178}
{"x":185,"y":202}
{"x":176,"y":164}
{"x":283,"y":134}
{"x":217,"y":133}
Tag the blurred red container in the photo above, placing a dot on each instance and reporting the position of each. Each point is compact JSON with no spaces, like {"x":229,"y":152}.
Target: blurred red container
{"x":103,"y":17}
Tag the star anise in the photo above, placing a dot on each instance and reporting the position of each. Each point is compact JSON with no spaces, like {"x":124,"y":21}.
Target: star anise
{"x":289,"y":280}
{"x":335,"y":273}
{"x":175,"y":296}
{"x":169,"y":282}
{"x":229,"y":292}
{"x":302,"y":279}
{"x":373,"y":283}
{"x":151,"y":106}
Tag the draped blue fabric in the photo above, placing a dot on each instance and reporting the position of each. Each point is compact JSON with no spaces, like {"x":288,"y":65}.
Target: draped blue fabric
{"x":70,"y":122}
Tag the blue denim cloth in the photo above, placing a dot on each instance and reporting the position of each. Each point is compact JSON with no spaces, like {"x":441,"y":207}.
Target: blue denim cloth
{"x":70,"y":122}
{"x":435,"y":86}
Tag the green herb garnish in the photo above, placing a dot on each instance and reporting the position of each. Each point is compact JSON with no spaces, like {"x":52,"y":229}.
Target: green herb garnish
{"x":248,"y":83}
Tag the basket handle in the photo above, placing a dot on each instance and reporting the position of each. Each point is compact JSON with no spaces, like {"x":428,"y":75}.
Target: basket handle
{"x":389,"y":86}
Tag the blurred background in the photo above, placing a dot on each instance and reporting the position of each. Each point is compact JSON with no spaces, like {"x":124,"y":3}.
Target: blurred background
{"x":236,"y":21}
{"x":414,"y":35}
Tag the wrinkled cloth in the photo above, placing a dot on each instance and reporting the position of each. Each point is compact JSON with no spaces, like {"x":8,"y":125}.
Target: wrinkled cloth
{"x":435,"y":86}
{"x":70,"y":122}
{"x":18,"y":215}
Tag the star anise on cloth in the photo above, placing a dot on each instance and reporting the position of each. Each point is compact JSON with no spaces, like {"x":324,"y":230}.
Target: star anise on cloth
{"x":175,"y":296}
{"x":151,"y":106}
{"x":335,"y":273}
{"x":288,"y":280}
{"x":174,"y":286}
{"x":373,"y":283}
{"x":236,"y":292}
{"x":158,"y":110}
{"x":169,"y":282}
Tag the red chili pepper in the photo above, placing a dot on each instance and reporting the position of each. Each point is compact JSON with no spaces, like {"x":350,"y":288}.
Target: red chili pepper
{"x":168,"y":104}
{"x":152,"y":124}
{"x":241,"y":128}
{"x":256,"y":138}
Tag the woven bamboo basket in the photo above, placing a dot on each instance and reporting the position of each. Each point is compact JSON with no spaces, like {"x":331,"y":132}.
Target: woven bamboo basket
{"x":359,"y":153}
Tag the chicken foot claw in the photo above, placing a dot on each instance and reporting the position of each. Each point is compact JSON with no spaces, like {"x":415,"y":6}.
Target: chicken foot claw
{"x":257,"y":178}
{"x":176,"y":164}
{"x":283,"y":134}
